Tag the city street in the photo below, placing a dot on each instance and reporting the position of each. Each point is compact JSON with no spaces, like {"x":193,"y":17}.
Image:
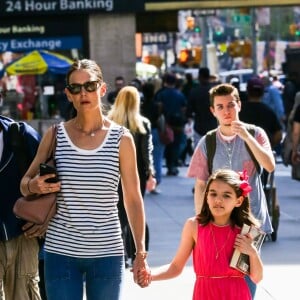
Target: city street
{"x":166,"y":214}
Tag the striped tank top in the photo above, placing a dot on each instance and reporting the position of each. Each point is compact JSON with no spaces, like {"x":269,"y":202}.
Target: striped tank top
{"x":87,"y":224}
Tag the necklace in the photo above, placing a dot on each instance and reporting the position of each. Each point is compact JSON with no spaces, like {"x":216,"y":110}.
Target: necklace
{"x":229,"y":147}
{"x":218,"y":251}
{"x":91,"y":133}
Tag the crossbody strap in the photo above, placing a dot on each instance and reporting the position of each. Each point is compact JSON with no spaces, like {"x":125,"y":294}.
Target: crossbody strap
{"x":52,"y":147}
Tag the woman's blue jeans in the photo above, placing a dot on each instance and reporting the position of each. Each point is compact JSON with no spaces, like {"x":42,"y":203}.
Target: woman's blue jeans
{"x":65,"y":275}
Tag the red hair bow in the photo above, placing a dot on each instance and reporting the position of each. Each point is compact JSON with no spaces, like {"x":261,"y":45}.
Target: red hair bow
{"x":245,"y":186}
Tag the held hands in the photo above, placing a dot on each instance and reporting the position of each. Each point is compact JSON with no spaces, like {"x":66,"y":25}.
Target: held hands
{"x":144,"y":278}
{"x":141,"y":271}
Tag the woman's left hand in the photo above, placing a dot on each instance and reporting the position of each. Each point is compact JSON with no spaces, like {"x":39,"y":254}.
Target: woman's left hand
{"x":141,"y":272}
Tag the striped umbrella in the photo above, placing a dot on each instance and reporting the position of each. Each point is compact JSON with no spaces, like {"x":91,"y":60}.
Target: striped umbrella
{"x":38,"y":62}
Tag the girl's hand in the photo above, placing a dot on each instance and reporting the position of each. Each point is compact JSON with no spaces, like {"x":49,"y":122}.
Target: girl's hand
{"x":141,"y":272}
{"x":244,"y":244}
{"x":144,"y":278}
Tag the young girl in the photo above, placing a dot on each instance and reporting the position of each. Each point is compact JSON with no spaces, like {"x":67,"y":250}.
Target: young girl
{"x":212,"y":237}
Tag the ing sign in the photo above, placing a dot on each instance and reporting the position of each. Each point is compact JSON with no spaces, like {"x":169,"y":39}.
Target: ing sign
{"x":155,"y":38}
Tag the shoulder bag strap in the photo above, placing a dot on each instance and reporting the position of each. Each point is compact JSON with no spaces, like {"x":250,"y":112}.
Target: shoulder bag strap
{"x":52,"y":147}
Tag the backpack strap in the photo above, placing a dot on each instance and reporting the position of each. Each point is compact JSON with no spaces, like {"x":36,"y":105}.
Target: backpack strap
{"x":251,"y":129}
{"x":18,"y":145}
{"x":210,"y":141}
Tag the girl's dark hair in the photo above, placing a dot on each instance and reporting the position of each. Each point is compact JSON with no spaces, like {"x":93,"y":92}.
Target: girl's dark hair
{"x":239,"y":215}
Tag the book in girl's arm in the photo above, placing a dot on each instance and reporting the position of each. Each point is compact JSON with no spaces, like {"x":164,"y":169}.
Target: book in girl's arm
{"x":240,"y":260}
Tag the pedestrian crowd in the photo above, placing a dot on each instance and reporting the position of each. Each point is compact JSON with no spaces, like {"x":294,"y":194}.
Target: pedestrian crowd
{"x":107,"y":160}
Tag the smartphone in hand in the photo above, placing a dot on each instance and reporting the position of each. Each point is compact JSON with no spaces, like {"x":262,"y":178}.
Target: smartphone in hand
{"x":47,"y":169}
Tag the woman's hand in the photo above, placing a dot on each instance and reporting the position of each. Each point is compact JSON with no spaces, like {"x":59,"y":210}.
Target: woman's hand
{"x":38,"y":185}
{"x":144,"y":278}
{"x":141,"y":271}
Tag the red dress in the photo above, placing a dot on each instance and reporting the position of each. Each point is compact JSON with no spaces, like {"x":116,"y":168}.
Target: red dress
{"x":215,"y":279}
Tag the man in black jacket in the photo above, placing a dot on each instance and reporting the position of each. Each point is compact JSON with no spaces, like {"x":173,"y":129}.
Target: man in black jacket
{"x":199,"y":106}
{"x":18,"y":254}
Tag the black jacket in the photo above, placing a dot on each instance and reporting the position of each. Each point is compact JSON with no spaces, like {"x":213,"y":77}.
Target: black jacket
{"x":199,"y":109}
{"x":144,"y":149}
{"x":10,"y":177}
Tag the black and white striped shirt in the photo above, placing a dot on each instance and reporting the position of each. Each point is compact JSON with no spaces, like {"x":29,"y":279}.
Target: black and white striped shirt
{"x":87,"y":223}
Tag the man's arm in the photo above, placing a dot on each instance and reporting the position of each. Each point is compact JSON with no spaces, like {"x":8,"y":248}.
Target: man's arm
{"x":263,"y":154}
{"x":199,"y":195}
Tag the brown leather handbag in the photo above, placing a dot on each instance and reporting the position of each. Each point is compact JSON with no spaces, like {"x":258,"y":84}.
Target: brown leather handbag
{"x":38,"y":209}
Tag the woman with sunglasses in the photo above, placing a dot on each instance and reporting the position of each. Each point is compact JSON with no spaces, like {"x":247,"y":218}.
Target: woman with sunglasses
{"x":83,"y":241}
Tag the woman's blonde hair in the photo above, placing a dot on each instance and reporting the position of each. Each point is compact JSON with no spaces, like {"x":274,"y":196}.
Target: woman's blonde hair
{"x":126,"y":110}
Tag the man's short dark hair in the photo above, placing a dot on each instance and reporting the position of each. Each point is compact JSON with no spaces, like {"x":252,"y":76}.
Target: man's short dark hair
{"x":170,"y":78}
{"x":204,"y":72}
{"x":255,"y":87}
{"x":223,"y":89}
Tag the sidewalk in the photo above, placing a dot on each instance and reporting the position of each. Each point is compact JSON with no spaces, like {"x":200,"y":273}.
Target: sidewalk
{"x":166,"y":214}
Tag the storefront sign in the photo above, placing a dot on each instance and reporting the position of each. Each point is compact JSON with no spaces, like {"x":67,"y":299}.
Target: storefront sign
{"x":49,"y":43}
{"x":36,"y":7}
{"x":155,"y":38}
{"x":25,"y":34}
{"x":42,"y":26}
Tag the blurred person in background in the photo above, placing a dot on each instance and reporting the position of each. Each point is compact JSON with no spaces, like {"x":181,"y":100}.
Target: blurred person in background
{"x":150,"y":110}
{"x":296,"y":137}
{"x":172,"y":104}
{"x":254,"y":111}
{"x":188,"y":84}
{"x":291,"y":87}
{"x":198,"y":105}
{"x":119,"y":83}
{"x":277,"y":83}
{"x":273,"y":99}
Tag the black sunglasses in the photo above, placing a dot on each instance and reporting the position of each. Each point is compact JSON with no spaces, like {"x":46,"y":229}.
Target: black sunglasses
{"x":89,"y":86}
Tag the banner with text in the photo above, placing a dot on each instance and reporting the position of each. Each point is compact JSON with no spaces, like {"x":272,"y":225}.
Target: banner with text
{"x":38,"y":7}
